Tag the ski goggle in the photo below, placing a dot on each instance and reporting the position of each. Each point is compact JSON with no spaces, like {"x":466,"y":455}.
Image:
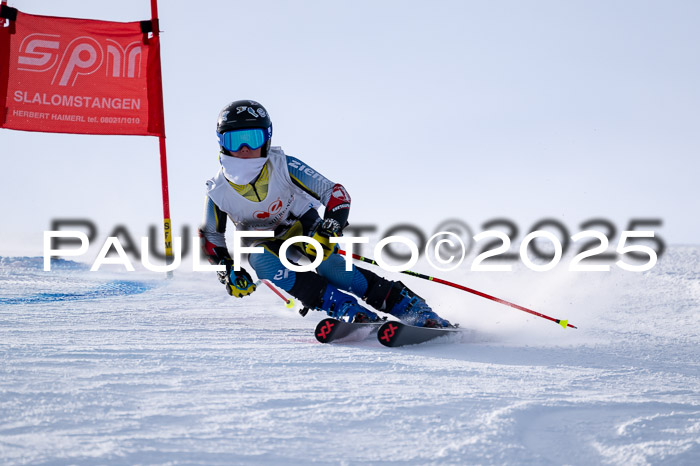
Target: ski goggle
{"x":254,"y":138}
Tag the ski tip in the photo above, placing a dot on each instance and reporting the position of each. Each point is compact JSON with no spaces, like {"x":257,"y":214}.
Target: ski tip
{"x":290,"y":303}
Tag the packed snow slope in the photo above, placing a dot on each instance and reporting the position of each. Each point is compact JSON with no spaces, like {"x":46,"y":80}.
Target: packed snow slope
{"x":112,"y":367}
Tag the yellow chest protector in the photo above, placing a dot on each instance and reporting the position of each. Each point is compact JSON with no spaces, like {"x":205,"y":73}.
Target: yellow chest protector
{"x":255,"y":191}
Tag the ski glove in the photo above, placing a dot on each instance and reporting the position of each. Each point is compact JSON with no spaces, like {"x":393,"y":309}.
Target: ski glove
{"x":238,"y":284}
{"x":334,"y":220}
{"x":323,"y":234}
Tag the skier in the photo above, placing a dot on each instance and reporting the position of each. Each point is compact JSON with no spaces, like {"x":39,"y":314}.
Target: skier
{"x":261,"y":188}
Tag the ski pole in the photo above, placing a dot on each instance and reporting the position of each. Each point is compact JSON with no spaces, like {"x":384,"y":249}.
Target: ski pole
{"x":288,"y":302}
{"x":563,"y":323}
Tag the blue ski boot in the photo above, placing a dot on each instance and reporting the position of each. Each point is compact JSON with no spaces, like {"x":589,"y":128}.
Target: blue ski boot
{"x":342,"y":306}
{"x":412,"y":309}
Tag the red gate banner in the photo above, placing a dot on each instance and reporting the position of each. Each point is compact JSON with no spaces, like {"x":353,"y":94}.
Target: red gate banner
{"x":80,"y":76}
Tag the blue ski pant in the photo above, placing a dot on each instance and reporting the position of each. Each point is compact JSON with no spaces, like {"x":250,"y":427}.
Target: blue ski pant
{"x":268,"y":266}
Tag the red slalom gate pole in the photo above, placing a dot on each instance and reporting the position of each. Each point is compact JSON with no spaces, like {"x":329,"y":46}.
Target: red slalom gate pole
{"x":563,"y":323}
{"x":167,"y":224}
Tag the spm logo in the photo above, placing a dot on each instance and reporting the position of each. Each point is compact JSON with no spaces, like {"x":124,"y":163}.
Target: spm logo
{"x":81,"y":56}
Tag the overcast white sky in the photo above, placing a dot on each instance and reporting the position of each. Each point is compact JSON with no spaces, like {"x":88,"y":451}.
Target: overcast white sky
{"x":423,"y":110}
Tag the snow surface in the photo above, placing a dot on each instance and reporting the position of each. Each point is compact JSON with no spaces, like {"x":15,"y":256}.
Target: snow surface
{"x":129,"y":368}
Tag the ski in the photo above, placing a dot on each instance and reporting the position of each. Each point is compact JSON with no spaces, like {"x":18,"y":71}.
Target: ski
{"x":395,"y":333}
{"x":329,"y":329}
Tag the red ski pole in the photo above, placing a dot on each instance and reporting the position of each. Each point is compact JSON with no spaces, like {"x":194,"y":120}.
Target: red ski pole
{"x":563,"y":323}
{"x":288,"y":302}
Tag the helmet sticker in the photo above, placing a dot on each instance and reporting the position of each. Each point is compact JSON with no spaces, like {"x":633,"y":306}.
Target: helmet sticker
{"x":250,"y":110}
